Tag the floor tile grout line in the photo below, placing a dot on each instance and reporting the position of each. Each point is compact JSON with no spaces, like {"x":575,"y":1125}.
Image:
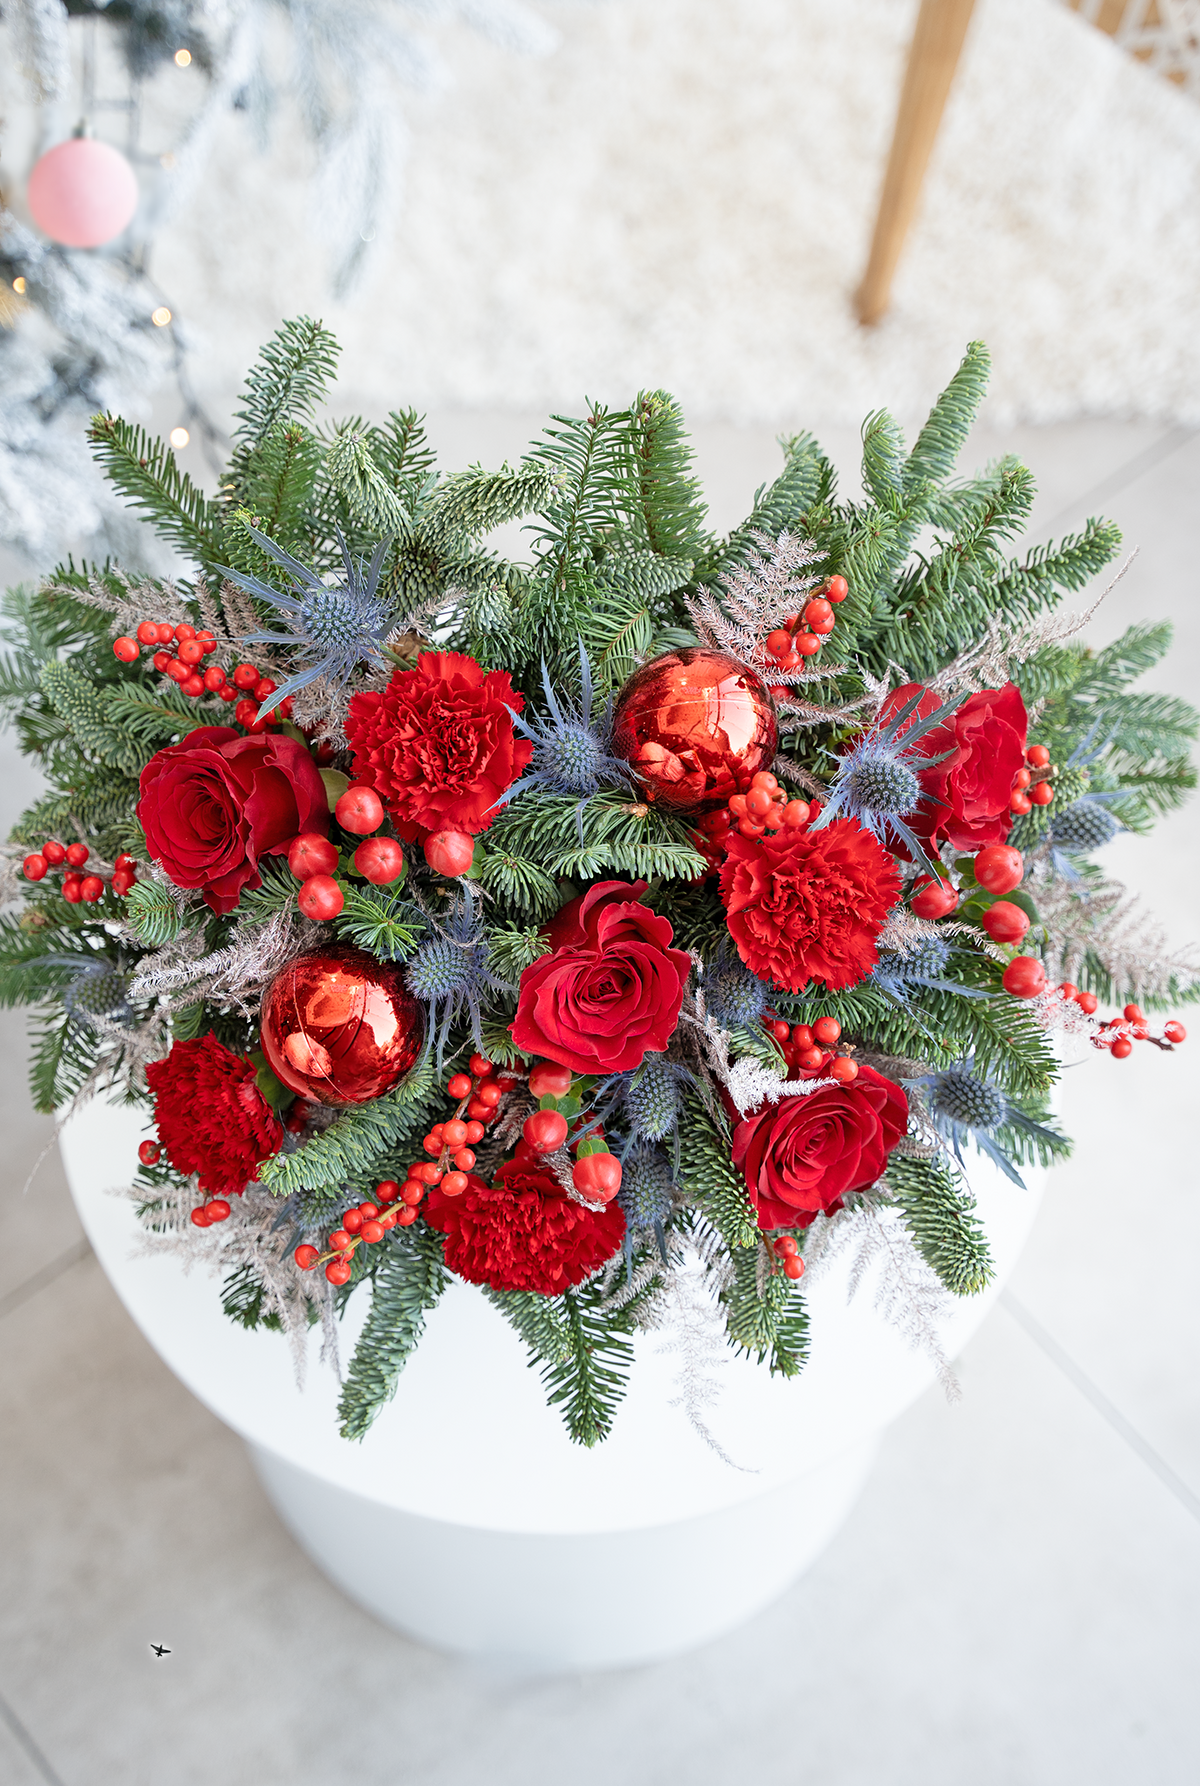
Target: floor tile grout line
{"x":41,"y":1279}
{"x":1150,"y":456}
{"x":26,"y":1741}
{"x":1113,"y":1415}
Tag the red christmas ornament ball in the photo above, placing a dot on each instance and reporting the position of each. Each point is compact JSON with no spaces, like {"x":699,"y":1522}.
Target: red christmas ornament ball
{"x":695,"y":726}
{"x":340,"y":1027}
{"x":82,"y":193}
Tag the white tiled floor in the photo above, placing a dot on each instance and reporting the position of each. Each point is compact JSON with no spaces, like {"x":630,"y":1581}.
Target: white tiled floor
{"x":1014,"y":1602}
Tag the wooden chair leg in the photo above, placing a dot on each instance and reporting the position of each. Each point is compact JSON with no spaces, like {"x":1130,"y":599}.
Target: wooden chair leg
{"x":936,"y":46}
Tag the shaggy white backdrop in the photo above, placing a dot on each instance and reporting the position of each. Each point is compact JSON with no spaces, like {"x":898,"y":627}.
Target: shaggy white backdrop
{"x":682,"y":195}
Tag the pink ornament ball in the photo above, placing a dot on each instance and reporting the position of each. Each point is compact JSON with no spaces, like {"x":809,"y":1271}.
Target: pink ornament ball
{"x":82,"y":193}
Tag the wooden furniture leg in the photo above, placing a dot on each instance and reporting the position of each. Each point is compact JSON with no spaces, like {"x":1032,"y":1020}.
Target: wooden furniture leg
{"x":936,"y":46}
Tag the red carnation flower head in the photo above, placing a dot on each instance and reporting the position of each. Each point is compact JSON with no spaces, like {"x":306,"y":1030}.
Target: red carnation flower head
{"x":438,"y":745}
{"x":982,"y":745}
{"x":609,"y":991}
{"x":807,"y":905}
{"x":801,"y":1156}
{"x":212,"y":1119}
{"x":217,"y":801}
{"x":525,"y":1233}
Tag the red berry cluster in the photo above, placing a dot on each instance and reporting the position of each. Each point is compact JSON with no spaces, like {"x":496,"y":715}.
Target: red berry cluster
{"x":807,"y":1049}
{"x":765,"y":807}
{"x":1118,"y":1034}
{"x":596,"y":1173}
{"x":787,"y":1251}
{"x":78,"y":888}
{"x":801,"y":634}
{"x":1027,"y":792}
{"x":204,"y":1215}
{"x":180,"y":655}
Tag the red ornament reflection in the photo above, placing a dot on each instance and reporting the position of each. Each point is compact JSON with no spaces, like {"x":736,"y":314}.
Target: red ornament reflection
{"x":341,"y":1027}
{"x":695,"y":726}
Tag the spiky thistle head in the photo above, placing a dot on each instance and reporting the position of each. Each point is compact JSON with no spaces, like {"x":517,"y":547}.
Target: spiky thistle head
{"x":966,"y":1100}
{"x":571,"y":745}
{"x":878,"y":782}
{"x":653,"y":1097}
{"x":334,"y":626}
{"x":99,"y":990}
{"x":1083,"y":826}
{"x":965,"y":1105}
{"x":449,"y":973}
{"x":645,"y":1193}
{"x":735,"y":997}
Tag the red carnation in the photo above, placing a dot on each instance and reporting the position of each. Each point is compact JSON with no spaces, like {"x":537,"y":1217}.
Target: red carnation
{"x":217,"y":801}
{"x":211,"y":1116}
{"x":807,"y":905}
{"x":524,"y":1233}
{"x":610,"y":989}
{"x":802,"y":1156}
{"x":438,"y":745}
{"x":968,"y":792}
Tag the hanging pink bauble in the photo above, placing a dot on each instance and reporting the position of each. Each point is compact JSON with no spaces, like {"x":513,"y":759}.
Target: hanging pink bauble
{"x":82,"y":193}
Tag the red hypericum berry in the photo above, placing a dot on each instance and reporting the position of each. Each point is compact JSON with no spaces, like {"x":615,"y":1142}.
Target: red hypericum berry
{"x":1067,"y":992}
{"x":214,"y":678}
{"x":795,"y":814}
{"x":843,"y":1069}
{"x":72,"y":883}
{"x":368,"y":1211}
{"x":780,"y":1030}
{"x":1041,"y":793}
{"x":193,"y":687}
{"x":547,"y":1080}
{"x":306,"y":1256}
{"x":372,"y":1232}
{"x":1121,"y":1047}
{"x":296,"y":1119}
{"x":352,"y":1221}
{"x":779,"y":643}
{"x":1005,"y":922}
{"x":454,"y":1184}
{"x":810,"y":1058}
{"x":545,"y":1130}
{"x":338,"y":1271}
{"x":35,"y":867}
{"x":320,"y":898}
{"x":177,"y":670}
{"x":749,"y":827}
{"x":597,"y":1176}
{"x":737,"y":806}
{"x":126,"y":649}
{"x":339,"y":1240}
{"x":464,"y":1159}
{"x":149,"y":1153}
{"x":1134,"y":1013}
{"x":122,"y":881}
{"x":228,"y":693}
{"x":359,"y":810}
{"x":1024,"y":977}
{"x":1087,"y":1002}
{"x":190,"y":652}
{"x":147,"y":633}
{"x":380,"y":860}
{"x":1019,"y":803}
{"x":480,"y":1066}
{"x":819,"y":616}
{"x":808,"y":644}
{"x":454,"y":1132}
{"x":310,"y":854}
{"x":794,"y":1266}
{"x":216,"y":1209}
{"x":999,"y":868}
{"x":826,"y":1030}
{"x":1037,"y":756}
{"x":836,"y":589}
{"x":387,"y":1190}
{"x":459,"y":1086}
{"x":1174,"y":1032}
{"x":184,"y":632}
{"x":91,"y":889}
{"x":714,"y":824}
{"x":933,"y":899}
{"x":77,"y":854}
{"x":53,"y":852}
{"x":450,"y":853}
{"x":773,"y":817}
{"x":764,"y":779}
{"x":200,"y":1217}
{"x":245,"y":676}
{"x":475,"y":1132}
{"x":265,"y":686}
{"x":1022,"y":778}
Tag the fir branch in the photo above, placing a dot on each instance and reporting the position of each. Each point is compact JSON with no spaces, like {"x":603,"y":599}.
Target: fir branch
{"x":154,"y":913}
{"x":940,"y":1215}
{"x":540,"y":1322}
{"x":710,"y":1180}
{"x":358,"y":1137}
{"x":147,"y":474}
{"x":950,"y":421}
{"x":588,"y":1382}
{"x":378,"y":921}
{"x":408,"y":1281}
{"x":86,"y":712}
{"x":765,"y":1315}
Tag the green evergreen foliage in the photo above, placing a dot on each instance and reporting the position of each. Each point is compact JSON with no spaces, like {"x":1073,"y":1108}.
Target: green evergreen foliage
{"x":152,"y":913}
{"x":355,"y":1141}
{"x":379,"y":922}
{"x":765,"y":1314}
{"x":243,"y":1299}
{"x":408,"y":1280}
{"x":940,"y":1215}
{"x":709,"y":1179}
{"x":588,"y":1379}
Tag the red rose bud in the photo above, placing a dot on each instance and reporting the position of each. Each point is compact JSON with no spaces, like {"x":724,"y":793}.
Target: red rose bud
{"x":597,"y":1176}
{"x":449,"y":852}
{"x":359,"y":810}
{"x":380,"y":860}
{"x":999,"y":868}
{"x":1024,"y":977}
{"x":1005,"y":922}
{"x":310,"y":854}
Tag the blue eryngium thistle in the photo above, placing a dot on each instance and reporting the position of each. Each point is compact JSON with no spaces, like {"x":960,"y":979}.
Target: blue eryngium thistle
{"x":645,"y":1196}
{"x":734,"y":997}
{"x":571,"y":754}
{"x":922,"y":962}
{"x":450,"y":974}
{"x":877,"y":781}
{"x":335,"y":626}
{"x":96,"y":989}
{"x":966,"y":1106}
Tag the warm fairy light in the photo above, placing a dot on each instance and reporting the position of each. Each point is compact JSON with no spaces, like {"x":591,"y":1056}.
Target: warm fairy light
{"x":167,"y":160}
{"x":19,"y":285}
{"x":160,"y":317}
{"x":183,"y":58}
{"x":179,"y":437}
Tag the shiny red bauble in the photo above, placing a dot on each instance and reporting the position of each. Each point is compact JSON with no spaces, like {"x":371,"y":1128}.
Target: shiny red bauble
{"x":449,"y":852}
{"x":933,"y":899}
{"x":597,"y":1176}
{"x":1005,"y":922}
{"x":380,"y":860}
{"x":999,"y":868}
{"x":1024,"y":977}
{"x":340,"y":1027}
{"x":695,"y":726}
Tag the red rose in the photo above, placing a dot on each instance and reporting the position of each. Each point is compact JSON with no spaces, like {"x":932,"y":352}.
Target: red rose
{"x":211,"y":1116}
{"x":610,"y":990}
{"x":438,"y":745}
{"x":801,"y":1156}
{"x":212,"y":804}
{"x":525,"y":1233}
{"x":807,"y":905}
{"x":967,"y":793}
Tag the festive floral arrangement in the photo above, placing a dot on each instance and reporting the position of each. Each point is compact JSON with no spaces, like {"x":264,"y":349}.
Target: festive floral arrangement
{"x":667,"y":902}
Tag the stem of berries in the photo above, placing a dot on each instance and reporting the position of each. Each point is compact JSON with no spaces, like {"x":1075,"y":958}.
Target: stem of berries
{"x":1033,"y":785}
{"x":79,"y":888}
{"x":807,"y":1049}
{"x":179,"y":655}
